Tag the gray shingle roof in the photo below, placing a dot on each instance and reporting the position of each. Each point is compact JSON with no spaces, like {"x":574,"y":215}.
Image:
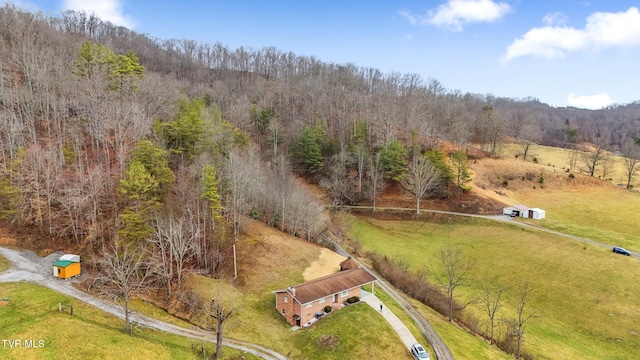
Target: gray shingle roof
{"x":330,"y":284}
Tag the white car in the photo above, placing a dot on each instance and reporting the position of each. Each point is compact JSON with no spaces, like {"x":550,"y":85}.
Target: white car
{"x":419,"y":353}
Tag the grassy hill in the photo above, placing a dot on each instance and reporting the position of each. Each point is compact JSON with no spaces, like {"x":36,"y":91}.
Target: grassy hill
{"x":31,"y":314}
{"x":269,"y":260}
{"x":579,"y":205}
{"x":584,"y":296}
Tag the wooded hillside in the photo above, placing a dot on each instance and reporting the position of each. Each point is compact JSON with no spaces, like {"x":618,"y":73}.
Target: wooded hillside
{"x":107,"y":134}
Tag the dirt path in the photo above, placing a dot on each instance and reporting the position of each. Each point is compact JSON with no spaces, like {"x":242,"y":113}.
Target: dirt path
{"x":27,"y":266}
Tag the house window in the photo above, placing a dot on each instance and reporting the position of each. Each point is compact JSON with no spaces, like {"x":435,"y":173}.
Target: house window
{"x":321,"y":301}
{"x":345,"y":293}
{"x":309,"y":304}
{"x":286,"y":299}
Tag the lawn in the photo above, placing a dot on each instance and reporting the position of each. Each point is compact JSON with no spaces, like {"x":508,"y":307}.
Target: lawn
{"x":283,"y":259}
{"x":360,"y":329}
{"x":31,"y":314}
{"x":584,"y":297}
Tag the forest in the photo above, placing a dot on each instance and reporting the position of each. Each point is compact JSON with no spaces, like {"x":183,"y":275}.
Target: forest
{"x":110,"y":138}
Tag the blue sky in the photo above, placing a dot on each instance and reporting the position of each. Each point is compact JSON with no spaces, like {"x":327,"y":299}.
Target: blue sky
{"x":571,"y":52}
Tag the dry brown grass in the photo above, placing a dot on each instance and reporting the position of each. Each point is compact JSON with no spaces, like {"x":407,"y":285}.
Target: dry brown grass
{"x":267,"y":256}
{"x":506,"y":176}
{"x":328,"y":263}
{"x":7,"y":241}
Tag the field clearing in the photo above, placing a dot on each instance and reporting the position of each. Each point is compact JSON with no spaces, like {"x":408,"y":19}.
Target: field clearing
{"x":570,"y":279}
{"x":559,"y":158}
{"x":31,"y":314}
{"x":583,"y":206}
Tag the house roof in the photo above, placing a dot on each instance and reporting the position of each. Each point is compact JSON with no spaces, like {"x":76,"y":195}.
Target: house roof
{"x":349,"y":264}
{"x":330,"y":284}
{"x":63,"y":263}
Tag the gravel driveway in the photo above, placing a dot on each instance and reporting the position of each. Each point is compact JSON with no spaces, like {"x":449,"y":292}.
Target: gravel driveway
{"x":29,"y":267}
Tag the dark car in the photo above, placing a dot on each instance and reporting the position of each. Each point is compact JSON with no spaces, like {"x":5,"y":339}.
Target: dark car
{"x":619,"y":250}
{"x":419,"y":353}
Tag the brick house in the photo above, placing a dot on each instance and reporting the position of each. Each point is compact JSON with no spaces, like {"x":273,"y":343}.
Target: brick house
{"x":299,"y":303}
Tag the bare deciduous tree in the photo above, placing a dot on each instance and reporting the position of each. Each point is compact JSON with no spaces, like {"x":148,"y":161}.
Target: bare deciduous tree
{"x":631,"y":163}
{"x":516,"y":327}
{"x":572,"y":158}
{"x":421,"y":179}
{"x":175,"y":239}
{"x":375,"y":174}
{"x":124,"y":271}
{"x":631,"y":168}
{"x":452,"y":272}
{"x":216,"y":311}
{"x":491,"y":300}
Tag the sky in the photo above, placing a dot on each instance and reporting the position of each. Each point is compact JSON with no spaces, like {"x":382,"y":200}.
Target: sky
{"x":565,"y":52}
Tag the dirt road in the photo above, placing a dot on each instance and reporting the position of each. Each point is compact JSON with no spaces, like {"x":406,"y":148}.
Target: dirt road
{"x":27,"y":266}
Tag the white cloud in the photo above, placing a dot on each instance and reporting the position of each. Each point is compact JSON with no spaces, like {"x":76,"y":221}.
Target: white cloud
{"x":602,"y":30}
{"x":107,"y":10}
{"x":454,"y":14}
{"x":593,"y":102}
{"x":555,"y":18}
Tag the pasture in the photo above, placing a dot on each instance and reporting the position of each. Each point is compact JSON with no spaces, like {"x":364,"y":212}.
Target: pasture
{"x":584,"y":297}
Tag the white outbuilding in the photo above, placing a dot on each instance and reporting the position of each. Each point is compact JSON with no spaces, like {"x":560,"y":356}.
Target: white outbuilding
{"x":523,"y":211}
{"x":535,"y":213}
{"x":515,"y":210}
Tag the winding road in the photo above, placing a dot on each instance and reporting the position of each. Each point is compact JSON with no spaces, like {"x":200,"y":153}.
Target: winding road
{"x":27,"y":266}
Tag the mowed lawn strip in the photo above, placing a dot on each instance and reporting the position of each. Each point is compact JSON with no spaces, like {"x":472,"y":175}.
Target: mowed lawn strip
{"x":31,"y":314}
{"x":585,"y":297}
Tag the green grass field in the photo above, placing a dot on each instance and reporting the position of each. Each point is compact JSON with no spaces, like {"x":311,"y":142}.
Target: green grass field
{"x":606,"y":215}
{"x":585,"y":297}
{"x":31,"y":314}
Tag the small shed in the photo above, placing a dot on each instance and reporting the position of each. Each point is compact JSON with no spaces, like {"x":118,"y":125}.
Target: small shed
{"x":348,"y":264}
{"x":67,"y":266}
{"x":515,"y":210}
{"x":535,"y":213}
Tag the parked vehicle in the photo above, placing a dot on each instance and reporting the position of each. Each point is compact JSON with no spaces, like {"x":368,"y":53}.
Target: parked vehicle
{"x":619,"y":250}
{"x":419,"y":353}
